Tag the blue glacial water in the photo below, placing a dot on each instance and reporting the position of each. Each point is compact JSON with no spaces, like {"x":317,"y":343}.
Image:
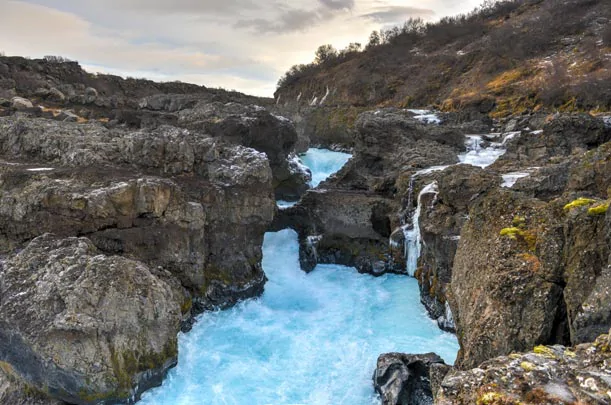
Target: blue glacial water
{"x":309,"y":339}
{"x":323,"y":163}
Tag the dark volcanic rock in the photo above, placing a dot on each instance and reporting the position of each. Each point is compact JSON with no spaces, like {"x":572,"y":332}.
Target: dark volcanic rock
{"x":254,"y":127}
{"x":560,"y":137}
{"x":404,"y":379}
{"x":441,"y":221}
{"x":528,"y":272}
{"x":14,"y":392}
{"x":204,"y":222}
{"x":350,"y":219}
{"x":84,"y":327}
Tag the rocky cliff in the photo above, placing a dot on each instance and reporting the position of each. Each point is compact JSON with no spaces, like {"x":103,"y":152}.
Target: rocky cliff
{"x":115,"y":232}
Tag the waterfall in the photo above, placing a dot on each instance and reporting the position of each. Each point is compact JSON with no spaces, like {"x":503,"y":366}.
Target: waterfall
{"x":325,"y":97}
{"x":309,"y":339}
{"x":413,"y":238}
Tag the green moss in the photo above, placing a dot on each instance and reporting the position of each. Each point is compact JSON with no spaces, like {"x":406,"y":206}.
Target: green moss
{"x":580,"y":202}
{"x":544,"y":351}
{"x":518,"y":221}
{"x":495,"y":398}
{"x":489,"y":398}
{"x":528,"y":238}
{"x":186,"y":305}
{"x":511,"y":233}
{"x":128,"y":364}
{"x":600,"y":209}
{"x":528,"y":366}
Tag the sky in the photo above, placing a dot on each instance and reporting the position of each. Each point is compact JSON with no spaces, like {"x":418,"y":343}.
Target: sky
{"x":243,"y":45}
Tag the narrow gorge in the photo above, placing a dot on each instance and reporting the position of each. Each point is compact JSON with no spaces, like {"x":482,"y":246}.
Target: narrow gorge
{"x":422,"y":221}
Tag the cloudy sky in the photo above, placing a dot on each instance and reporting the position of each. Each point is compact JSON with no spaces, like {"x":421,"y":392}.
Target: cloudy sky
{"x":236,"y":44}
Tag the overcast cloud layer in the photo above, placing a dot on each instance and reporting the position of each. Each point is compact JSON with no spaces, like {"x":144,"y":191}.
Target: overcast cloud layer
{"x":236,"y":44}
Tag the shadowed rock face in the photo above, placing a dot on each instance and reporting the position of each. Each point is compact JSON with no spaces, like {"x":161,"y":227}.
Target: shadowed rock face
{"x":441,"y":222}
{"x":84,"y":327}
{"x":404,"y":379}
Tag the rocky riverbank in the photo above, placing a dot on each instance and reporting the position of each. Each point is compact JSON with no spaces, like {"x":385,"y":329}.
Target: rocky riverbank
{"x":128,"y":207}
{"x":115,"y":232}
{"x":513,"y":255}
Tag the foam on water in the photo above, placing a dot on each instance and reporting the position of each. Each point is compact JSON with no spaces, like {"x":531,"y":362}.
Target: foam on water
{"x":476,"y":155}
{"x":309,"y":339}
{"x":323,"y":163}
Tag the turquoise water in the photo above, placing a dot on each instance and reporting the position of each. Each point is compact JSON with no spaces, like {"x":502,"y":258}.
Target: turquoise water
{"x":309,"y":339}
{"x":323,"y":163}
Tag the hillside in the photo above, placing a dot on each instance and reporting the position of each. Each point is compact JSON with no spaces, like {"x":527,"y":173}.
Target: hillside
{"x":57,"y":84}
{"x":504,"y":58}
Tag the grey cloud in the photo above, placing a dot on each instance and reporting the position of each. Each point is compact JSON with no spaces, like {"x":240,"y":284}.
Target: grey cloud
{"x":393,"y":14}
{"x":338,"y":4}
{"x":287,"y":21}
{"x":173,"y":6}
{"x":295,"y":20}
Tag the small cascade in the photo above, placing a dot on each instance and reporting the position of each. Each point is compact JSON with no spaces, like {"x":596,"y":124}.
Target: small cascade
{"x":325,"y":96}
{"x":476,"y":155}
{"x":413,"y":238}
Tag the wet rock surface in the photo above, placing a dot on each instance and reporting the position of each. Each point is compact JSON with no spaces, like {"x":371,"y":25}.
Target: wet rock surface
{"x":404,"y":379}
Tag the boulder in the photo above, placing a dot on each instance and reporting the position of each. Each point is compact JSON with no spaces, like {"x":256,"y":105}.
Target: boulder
{"x":67,"y":116}
{"x":404,"y":379}
{"x":56,"y":95}
{"x":20,"y":103}
{"x":84,"y":327}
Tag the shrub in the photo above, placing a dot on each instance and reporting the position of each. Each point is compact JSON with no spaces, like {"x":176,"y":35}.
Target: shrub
{"x":56,"y":59}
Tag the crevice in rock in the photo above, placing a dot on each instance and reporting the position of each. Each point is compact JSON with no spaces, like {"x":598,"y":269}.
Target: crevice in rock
{"x":560,"y":333}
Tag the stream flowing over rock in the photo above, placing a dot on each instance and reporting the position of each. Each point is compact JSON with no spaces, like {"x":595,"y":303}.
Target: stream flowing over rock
{"x":129,"y":207}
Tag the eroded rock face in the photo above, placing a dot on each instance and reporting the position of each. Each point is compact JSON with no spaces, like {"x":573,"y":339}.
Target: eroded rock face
{"x":84,"y":327}
{"x":404,"y":379}
{"x":548,"y":374}
{"x":529,"y":272}
{"x":441,"y":222}
{"x":178,"y":217}
{"x":14,"y":392}
{"x":350,"y":219}
{"x":560,"y":137}
{"x":204,"y":221}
